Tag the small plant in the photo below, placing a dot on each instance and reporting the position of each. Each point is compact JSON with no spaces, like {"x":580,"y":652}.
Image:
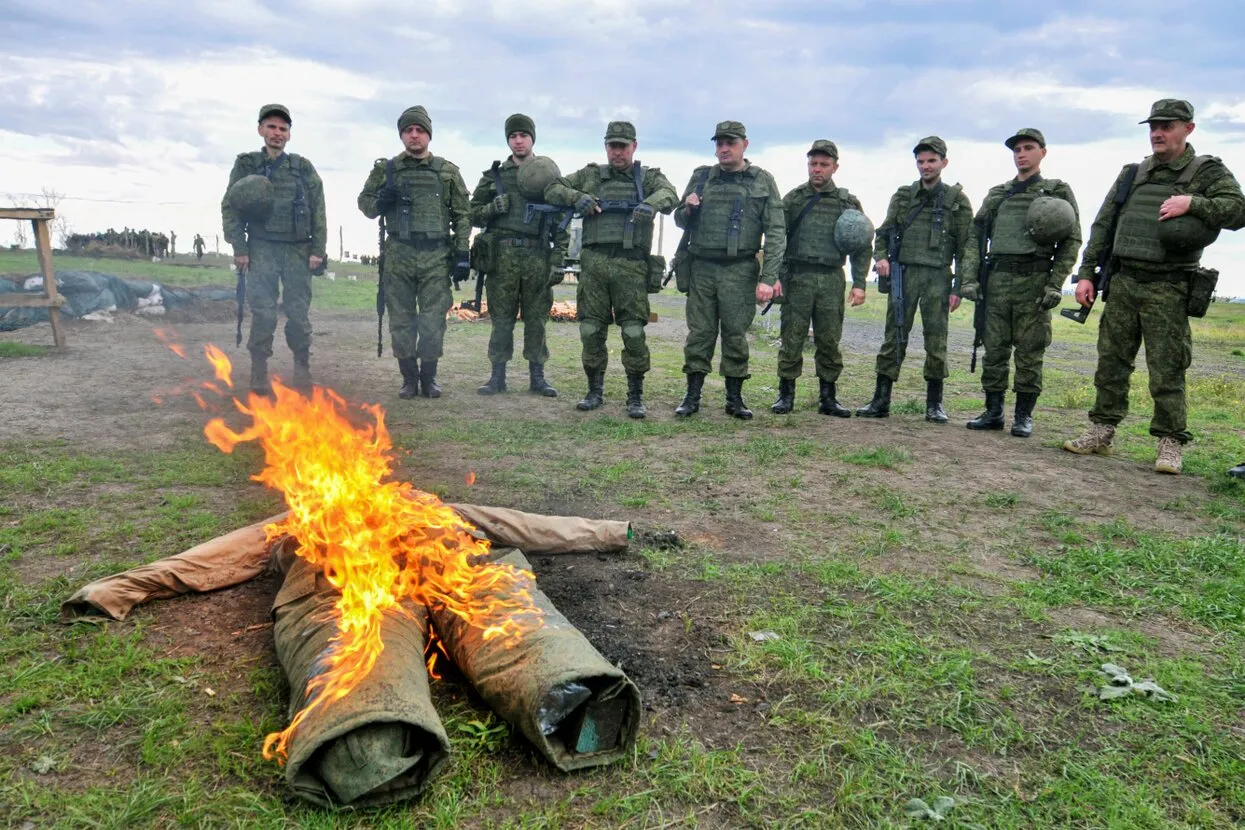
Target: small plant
{"x":1121,"y":684}
{"x":940,"y":811}
{"x":1002,"y":500}
{"x":487,"y":734}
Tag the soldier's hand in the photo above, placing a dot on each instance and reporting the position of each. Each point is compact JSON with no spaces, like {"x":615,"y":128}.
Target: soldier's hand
{"x":386,"y":197}
{"x":692,"y":202}
{"x":314,"y":262}
{"x":857,"y":297}
{"x":1175,"y":206}
{"x":643,"y":214}
{"x":953,"y":303}
{"x":1085,"y":292}
{"x":587,"y":206}
{"x":969,"y":291}
{"x":462,"y":270}
{"x":556,"y":275}
{"x":500,"y":205}
{"x":242,"y":262}
{"x":1051,"y":298}
{"x":765,"y":293}
{"x":882,"y":267}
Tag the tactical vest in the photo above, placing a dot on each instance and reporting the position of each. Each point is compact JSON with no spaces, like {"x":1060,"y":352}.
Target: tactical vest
{"x":813,"y":241}
{"x":730,"y":221}
{"x":1137,"y":235}
{"x":290,"y":220}
{"x":513,"y":222}
{"x":1010,"y":233}
{"x":928,"y":240}
{"x":421,"y":213}
{"x":609,"y":227}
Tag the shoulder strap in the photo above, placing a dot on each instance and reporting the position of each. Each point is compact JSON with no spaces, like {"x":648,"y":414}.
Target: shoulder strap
{"x":1190,"y":169}
{"x":800,"y":218}
{"x":496,"y":170}
{"x":638,"y":172}
{"x":389,"y":172}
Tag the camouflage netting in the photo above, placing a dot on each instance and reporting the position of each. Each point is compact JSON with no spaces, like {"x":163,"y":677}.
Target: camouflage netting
{"x":87,"y":292}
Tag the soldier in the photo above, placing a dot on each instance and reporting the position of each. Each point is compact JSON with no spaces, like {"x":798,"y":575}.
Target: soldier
{"x":618,"y":201}
{"x":172,"y":244}
{"x":1175,"y":207}
{"x":279,"y":240}
{"x":1032,"y":228}
{"x":813,"y":281}
{"x":521,"y":250}
{"x":726,"y":210}
{"x":199,"y":246}
{"x":928,"y":224}
{"x":428,"y":221}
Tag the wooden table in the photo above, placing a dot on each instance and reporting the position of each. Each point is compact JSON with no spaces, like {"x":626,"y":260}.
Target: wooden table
{"x":52,"y":301}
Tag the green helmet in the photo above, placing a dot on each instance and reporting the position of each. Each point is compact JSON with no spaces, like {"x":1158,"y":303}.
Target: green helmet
{"x":251,"y":197}
{"x":853,"y":232}
{"x":1050,"y":220}
{"x":535,"y":176}
{"x":1185,"y":234}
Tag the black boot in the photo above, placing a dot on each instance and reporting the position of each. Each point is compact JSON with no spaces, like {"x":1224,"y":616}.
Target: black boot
{"x":1022,"y":426}
{"x":1238,"y":471}
{"x":428,"y":386}
{"x":735,"y":399}
{"x":635,"y":395}
{"x":691,"y":401}
{"x":302,"y":371}
{"x":828,"y":400}
{"x":880,"y":406}
{"x":409,"y":366}
{"x":596,"y":391}
{"x":259,"y":376}
{"x":786,"y":397}
{"x":537,"y":384}
{"x":934,"y":413}
{"x":992,"y":418}
{"x":496,"y":383}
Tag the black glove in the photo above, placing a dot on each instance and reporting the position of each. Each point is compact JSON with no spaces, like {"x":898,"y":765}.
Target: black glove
{"x":556,"y":275}
{"x":387,"y":197}
{"x":462,"y":270}
{"x":969,"y":291}
{"x":584,"y":205}
{"x":642,"y":214}
{"x":500,"y":205}
{"x":1051,"y":298}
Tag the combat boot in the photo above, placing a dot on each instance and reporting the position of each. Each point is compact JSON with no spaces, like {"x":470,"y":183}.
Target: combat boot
{"x":880,"y":406}
{"x":259,"y":376}
{"x":635,"y":395}
{"x":496,"y":383}
{"x":302,"y":371}
{"x":992,"y":418}
{"x":934,"y":413}
{"x":828,"y":400}
{"x":1168,"y":460}
{"x":691,"y":401}
{"x":786,"y":397}
{"x":1238,"y":471}
{"x":409,"y":366}
{"x":537,"y":384}
{"x":735,"y":399}
{"x":1022,"y":423}
{"x":1095,"y":440}
{"x":596,"y":391}
{"x":428,"y":386}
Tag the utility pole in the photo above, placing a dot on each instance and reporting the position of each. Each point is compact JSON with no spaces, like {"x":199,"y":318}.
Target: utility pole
{"x":341,"y":246}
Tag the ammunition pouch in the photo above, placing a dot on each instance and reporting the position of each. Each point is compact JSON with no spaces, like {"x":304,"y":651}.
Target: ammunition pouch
{"x":1202,"y":283}
{"x":884,"y":284}
{"x":483,"y":255}
{"x":682,"y":266}
{"x":656,"y":270}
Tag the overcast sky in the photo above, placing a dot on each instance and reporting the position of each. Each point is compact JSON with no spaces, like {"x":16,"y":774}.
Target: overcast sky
{"x":135,"y":110}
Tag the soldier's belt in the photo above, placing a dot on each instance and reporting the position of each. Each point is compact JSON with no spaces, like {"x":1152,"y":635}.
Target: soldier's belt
{"x":797,"y":265}
{"x":1143,"y":271}
{"x":1020,"y":264}
{"x":616,"y":249}
{"x":420,"y":243}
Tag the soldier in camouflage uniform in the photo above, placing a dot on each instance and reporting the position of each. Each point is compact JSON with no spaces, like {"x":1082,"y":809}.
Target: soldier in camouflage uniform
{"x":280,"y":252}
{"x":199,"y":246}
{"x":1024,"y":282}
{"x":614,"y":261}
{"x":813,"y":283}
{"x":428,"y":224}
{"x":1149,"y":292}
{"x":934,"y":223}
{"x":525,"y":261}
{"x":726,"y":210}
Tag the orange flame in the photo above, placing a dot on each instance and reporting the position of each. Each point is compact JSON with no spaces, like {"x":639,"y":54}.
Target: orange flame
{"x":376,"y":541}
{"x":166,"y":337}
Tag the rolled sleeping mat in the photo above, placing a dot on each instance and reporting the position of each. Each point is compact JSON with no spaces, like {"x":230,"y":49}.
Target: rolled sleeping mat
{"x":382,"y":742}
{"x":575,"y":706}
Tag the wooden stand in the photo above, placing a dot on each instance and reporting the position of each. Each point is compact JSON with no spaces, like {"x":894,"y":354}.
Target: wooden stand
{"x":39,"y":218}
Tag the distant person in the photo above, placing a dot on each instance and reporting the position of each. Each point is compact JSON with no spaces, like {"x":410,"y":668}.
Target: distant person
{"x":279,"y":239}
{"x":199,"y":246}
{"x":172,"y":244}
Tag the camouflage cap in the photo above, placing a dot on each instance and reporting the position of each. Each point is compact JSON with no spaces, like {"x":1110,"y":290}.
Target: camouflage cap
{"x":1026,"y":132}
{"x":1170,"y":109}
{"x":729,"y":129}
{"x":275,"y":109}
{"x":415,"y":115}
{"x":931,"y":142}
{"x":824,"y":145}
{"x":622,"y":132}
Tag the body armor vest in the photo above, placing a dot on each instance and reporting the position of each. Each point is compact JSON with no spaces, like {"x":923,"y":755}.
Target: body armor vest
{"x":927,"y":241}
{"x":513,"y":221}
{"x":610,"y":227}
{"x":290,"y":220}
{"x":421,"y":213}
{"x":730,"y":220}
{"x":813,"y":241}
{"x":1010,"y":232}
{"x":1137,"y":236}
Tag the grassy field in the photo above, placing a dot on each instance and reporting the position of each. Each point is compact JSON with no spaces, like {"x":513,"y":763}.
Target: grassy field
{"x":938,"y":605}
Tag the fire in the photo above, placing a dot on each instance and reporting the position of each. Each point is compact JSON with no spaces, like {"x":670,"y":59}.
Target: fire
{"x":377,"y":541}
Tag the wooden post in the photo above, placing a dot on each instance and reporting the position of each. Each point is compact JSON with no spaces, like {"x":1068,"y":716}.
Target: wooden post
{"x":51,"y":300}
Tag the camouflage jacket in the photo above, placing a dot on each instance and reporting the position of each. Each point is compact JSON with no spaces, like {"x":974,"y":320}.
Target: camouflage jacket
{"x":1065,"y":251}
{"x":793,"y":205}
{"x":774,"y":219}
{"x":659,"y":193}
{"x":958,"y":226}
{"x":484,"y":193}
{"x":456,"y":199}
{"x":252,"y":162}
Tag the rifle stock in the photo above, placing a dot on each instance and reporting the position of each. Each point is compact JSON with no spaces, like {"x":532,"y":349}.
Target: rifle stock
{"x":897,"y":286}
{"x":240,"y":297}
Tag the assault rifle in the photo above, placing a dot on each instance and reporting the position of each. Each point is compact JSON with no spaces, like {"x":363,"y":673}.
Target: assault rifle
{"x":893,"y":240}
{"x":380,"y":290}
{"x":478,"y":303}
{"x":1103,"y":266}
{"x":983,"y":285}
{"x":681,"y":253}
{"x":240,"y":296}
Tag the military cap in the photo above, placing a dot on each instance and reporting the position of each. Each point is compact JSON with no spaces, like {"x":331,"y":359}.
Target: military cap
{"x":1170,"y":109}
{"x":415,"y":115}
{"x":275,"y":109}
{"x":1026,"y":132}
{"x":931,"y":142}
{"x":620,"y":132}
{"x":824,"y":145}
{"x":730,"y":129}
{"x":520,"y":123}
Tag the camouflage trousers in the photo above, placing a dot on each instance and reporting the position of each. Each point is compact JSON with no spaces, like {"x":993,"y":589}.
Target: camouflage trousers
{"x":612,"y":289}
{"x":929,"y":288}
{"x":721,"y":299}
{"x":417,"y":297}
{"x":278,"y":270}
{"x":812,"y":294}
{"x":520,"y":284}
{"x":1153,"y":312}
{"x":1014,"y":320}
